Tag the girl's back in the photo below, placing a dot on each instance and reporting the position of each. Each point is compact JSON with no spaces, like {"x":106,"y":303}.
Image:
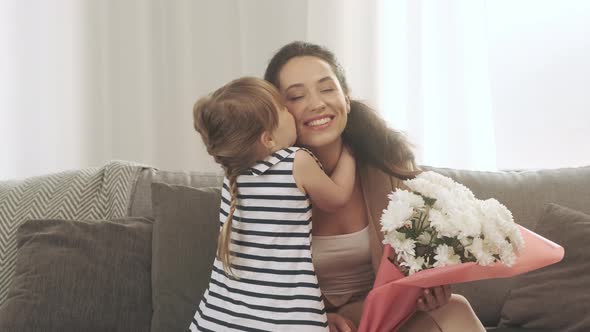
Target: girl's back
{"x":276,"y":287}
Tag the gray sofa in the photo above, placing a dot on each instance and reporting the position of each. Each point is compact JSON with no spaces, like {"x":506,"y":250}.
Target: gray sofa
{"x":555,"y":298}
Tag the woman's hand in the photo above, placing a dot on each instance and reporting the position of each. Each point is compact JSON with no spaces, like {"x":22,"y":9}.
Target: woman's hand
{"x":434,"y":298}
{"x":338,"y":323}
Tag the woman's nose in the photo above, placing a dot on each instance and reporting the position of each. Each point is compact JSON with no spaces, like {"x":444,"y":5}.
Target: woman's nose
{"x":316,"y":102}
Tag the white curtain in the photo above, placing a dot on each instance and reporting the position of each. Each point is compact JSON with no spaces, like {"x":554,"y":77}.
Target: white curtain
{"x":434,"y":80}
{"x":89,"y":81}
{"x":86,"y":81}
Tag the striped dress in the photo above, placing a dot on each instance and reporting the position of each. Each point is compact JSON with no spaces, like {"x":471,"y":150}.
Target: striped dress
{"x":277,"y":289}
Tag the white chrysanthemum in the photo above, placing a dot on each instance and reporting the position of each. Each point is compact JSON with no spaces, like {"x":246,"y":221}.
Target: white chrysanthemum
{"x":443,"y":224}
{"x":507,"y":255}
{"x":413,"y":200}
{"x":431,"y":184}
{"x":424,"y":187}
{"x":463,"y":192}
{"x":445,"y":255}
{"x":396,"y":215}
{"x":481,"y":252}
{"x":438,"y":179}
{"x":502,"y":236}
{"x":400,"y":243}
{"x":493,"y":235}
{"x":494,"y":209}
{"x":414,"y":264}
{"x":515,"y":237}
{"x":498,"y":213}
{"x":466,"y":220}
{"x":445,"y":201}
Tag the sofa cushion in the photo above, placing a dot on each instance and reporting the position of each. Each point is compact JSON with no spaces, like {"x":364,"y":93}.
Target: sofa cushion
{"x":556,"y":296}
{"x":184,"y":246}
{"x":141,"y":204}
{"x":86,"y":194}
{"x":80,"y":276}
{"x":525,"y":194}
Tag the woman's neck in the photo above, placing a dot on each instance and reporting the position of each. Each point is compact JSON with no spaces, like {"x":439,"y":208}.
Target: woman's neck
{"x":328,"y":154}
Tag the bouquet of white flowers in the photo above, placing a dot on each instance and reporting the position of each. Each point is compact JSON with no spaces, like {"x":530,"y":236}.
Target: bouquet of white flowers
{"x":437,"y":233}
{"x":438,"y":222}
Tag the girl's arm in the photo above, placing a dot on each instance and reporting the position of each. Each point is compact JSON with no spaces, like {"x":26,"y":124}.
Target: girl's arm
{"x":327,"y":193}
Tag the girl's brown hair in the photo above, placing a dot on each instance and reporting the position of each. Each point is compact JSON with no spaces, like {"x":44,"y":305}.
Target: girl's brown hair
{"x":231,"y":121}
{"x":366,"y":132}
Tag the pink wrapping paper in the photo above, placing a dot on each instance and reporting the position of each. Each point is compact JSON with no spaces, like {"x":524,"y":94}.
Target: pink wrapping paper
{"x":393,"y":297}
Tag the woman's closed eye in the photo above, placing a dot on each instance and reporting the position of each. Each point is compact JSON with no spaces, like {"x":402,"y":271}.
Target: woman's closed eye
{"x":327,"y":90}
{"x":293,"y":98}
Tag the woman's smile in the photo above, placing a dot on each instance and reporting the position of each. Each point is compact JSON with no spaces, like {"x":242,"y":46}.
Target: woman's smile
{"x":319,"y":122}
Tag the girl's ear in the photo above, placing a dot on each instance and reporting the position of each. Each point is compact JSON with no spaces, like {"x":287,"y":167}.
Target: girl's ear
{"x":267,"y":141}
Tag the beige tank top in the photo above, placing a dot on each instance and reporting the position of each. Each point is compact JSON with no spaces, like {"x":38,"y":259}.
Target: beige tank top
{"x":343,"y":266}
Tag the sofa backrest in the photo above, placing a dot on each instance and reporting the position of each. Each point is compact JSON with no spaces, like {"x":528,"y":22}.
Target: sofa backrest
{"x":525,"y":193}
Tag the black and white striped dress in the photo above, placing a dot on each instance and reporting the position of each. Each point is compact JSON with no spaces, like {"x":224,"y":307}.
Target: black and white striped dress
{"x":277,"y":289}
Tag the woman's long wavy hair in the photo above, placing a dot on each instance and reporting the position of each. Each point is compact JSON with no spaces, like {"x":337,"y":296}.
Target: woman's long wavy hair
{"x":366,"y":132}
{"x":231,"y":121}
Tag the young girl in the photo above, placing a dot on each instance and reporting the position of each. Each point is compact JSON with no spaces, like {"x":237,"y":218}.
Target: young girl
{"x":263,"y":276}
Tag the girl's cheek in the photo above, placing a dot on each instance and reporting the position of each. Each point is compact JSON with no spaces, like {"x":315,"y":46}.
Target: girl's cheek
{"x":296,"y":115}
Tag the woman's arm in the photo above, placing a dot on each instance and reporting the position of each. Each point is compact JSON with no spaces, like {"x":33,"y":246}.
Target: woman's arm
{"x":327,"y":193}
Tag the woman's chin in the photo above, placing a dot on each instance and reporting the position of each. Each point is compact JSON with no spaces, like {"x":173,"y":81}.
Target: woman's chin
{"x":320,"y":141}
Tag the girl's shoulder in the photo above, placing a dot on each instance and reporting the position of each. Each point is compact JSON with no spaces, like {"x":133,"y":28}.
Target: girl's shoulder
{"x":310,"y":154}
{"x":286,"y":155}
{"x":292,"y":150}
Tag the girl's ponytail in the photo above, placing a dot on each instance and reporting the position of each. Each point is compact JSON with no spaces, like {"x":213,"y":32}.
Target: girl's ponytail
{"x":224,"y":238}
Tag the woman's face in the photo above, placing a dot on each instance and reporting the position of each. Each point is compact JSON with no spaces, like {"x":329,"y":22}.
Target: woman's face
{"x":314,"y":96}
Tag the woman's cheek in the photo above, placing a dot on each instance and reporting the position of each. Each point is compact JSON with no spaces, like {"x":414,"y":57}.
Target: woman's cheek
{"x":296,"y":117}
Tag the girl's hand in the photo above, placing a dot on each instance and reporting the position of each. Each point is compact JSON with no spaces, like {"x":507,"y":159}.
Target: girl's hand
{"x":434,"y":298}
{"x":338,"y":323}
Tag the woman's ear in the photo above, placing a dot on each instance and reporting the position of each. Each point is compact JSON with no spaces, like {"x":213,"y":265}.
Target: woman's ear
{"x":347,"y":97}
{"x":267,"y":141}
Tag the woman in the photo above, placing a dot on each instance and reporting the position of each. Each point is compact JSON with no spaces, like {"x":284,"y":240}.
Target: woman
{"x":347,"y":243}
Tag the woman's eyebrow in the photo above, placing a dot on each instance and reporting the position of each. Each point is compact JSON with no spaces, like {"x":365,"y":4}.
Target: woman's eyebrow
{"x":296,"y":85}
{"x":300,"y":85}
